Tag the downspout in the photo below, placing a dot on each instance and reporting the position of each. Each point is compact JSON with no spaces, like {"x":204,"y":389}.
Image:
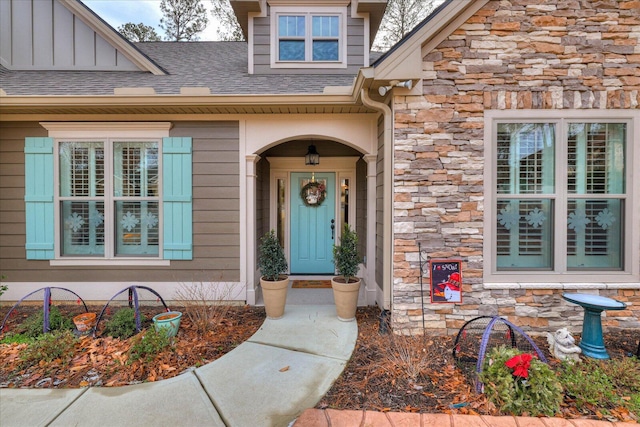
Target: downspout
{"x":387,"y":201}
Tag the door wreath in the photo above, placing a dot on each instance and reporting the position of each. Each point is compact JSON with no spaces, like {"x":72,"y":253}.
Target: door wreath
{"x":313,"y":194}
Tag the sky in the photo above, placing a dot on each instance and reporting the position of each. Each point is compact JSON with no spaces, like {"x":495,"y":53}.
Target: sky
{"x":119,"y":12}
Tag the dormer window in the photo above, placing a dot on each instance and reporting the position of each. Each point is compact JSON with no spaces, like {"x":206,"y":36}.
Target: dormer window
{"x":309,"y":39}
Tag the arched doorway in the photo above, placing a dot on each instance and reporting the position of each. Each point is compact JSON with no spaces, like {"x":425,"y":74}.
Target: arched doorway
{"x":309,"y":205}
{"x":273,"y":148}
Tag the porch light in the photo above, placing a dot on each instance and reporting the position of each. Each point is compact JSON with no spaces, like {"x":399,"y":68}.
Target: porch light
{"x":312,"y":157}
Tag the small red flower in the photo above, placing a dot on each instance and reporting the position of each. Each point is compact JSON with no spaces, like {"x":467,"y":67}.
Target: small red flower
{"x":520,"y":365}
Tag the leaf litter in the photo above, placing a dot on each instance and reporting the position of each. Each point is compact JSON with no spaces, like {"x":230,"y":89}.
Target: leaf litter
{"x":386,"y":372}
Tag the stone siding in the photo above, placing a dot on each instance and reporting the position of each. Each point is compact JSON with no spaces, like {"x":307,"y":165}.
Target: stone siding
{"x":511,"y":55}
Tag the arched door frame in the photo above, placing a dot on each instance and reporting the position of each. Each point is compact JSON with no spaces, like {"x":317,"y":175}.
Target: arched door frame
{"x":258,"y":134}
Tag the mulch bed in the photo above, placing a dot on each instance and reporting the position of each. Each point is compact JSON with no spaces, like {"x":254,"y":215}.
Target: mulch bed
{"x":103,"y":361}
{"x":377,"y":379}
{"x":380,"y":376}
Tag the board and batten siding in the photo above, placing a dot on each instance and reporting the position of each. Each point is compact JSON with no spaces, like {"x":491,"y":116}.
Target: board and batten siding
{"x":262,"y":49}
{"x":45,"y":35}
{"x":216,"y":240}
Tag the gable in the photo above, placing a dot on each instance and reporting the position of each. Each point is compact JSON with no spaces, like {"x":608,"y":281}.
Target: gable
{"x":63,"y":35}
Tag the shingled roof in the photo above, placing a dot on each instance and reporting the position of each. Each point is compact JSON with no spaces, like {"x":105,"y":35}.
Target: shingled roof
{"x":219,"y":66}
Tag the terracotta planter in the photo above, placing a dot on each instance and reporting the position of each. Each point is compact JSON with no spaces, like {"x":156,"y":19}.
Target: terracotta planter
{"x":84,"y":322}
{"x":275,"y":296}
{"x":345,"y":296}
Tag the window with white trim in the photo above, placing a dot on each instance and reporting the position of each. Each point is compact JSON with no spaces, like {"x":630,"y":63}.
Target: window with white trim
{"x":302,"y":37}
{"x":109,"y":185}
{"x":560,"y":197}
{"x":117,"y":193}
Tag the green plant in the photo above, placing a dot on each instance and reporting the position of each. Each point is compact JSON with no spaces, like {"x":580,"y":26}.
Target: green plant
{"x":33,"y":325}
{"x":58,"y":344}
{"x":520,"y":384}
{"x":3,"y":288}
{"x":605,"y":384}
{"x":122,"y":324}
{"x":146,"y":346}
{"x":345,"y":255}
{"x":271,"y":260}
{"x":13,"y":338}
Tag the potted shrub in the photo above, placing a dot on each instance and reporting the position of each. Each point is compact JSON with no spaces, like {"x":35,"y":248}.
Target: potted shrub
{"x":346,"y":286}
{"x":274,"y":282}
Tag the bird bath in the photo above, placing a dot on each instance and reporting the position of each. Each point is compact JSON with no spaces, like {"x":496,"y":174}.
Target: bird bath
{"x":592,"y":341}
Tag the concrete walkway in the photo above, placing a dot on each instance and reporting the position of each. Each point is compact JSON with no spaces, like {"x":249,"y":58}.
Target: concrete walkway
{"x":283,"y":369}
{"x":268,"y":381}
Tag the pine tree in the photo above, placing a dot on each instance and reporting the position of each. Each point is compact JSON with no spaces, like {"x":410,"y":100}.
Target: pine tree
{"x":183,"y":19}
{"x":139,"y":32}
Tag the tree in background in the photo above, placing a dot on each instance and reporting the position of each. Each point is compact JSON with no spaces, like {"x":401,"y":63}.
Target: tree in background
{"x":401,"y":17}
{"x":228,"y":27}
{"x":139,"y":32}
{"x":183,"y":19}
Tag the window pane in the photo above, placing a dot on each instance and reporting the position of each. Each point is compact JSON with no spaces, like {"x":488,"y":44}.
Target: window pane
{"x":325,"y":50}
{"x":524,"y":234}
{"x":325,"y":26}
{"x":291,"y":50}
{"x":525,"y":163}
{"x":82,"y":228}
{"x":137,"y":228}
{"x":594,"y":237}
{"x":596,"y":158}
{"x":291,"y":26}
{"x":81,"y":169}
{"x":344,"y":203}
{"x":135,"y":169}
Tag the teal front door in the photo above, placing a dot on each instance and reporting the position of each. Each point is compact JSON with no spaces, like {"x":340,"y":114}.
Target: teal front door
{"x":313,"y":225}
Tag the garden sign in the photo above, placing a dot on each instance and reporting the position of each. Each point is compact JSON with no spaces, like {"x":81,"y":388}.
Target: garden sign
{"x":446,"y":280}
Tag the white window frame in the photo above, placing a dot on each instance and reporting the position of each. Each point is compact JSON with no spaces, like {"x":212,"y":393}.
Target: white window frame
{"x":560,"y":274}
{"x":106,"y":133}
{"x":341,"y":12}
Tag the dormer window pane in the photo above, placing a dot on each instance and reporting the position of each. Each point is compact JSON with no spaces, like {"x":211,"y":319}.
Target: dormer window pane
{"x":292,"y":50}
{"x":325,"y":26}
{"x":291,"y":26}
{"x":325,"y":50}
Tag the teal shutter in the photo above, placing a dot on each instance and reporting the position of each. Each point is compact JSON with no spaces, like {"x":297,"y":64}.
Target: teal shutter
{"x":176,"y":198}
{"x":38,"y":197}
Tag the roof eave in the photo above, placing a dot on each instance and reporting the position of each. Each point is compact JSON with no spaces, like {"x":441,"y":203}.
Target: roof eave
{"x":24,"y":107}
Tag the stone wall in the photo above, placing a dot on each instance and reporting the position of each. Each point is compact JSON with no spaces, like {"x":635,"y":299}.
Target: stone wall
{"x":512,"y":54}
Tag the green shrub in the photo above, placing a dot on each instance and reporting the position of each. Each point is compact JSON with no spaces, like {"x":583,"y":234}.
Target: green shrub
{"x":49,"y":347}
{"x":345,"y":254}
{"x":271,"y":260}
{"x":540,"y":393}
{"x":606,"y":384}
{"x":123,"y":324}
{"x":32,"y":326}
{"x":147,"y":346}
